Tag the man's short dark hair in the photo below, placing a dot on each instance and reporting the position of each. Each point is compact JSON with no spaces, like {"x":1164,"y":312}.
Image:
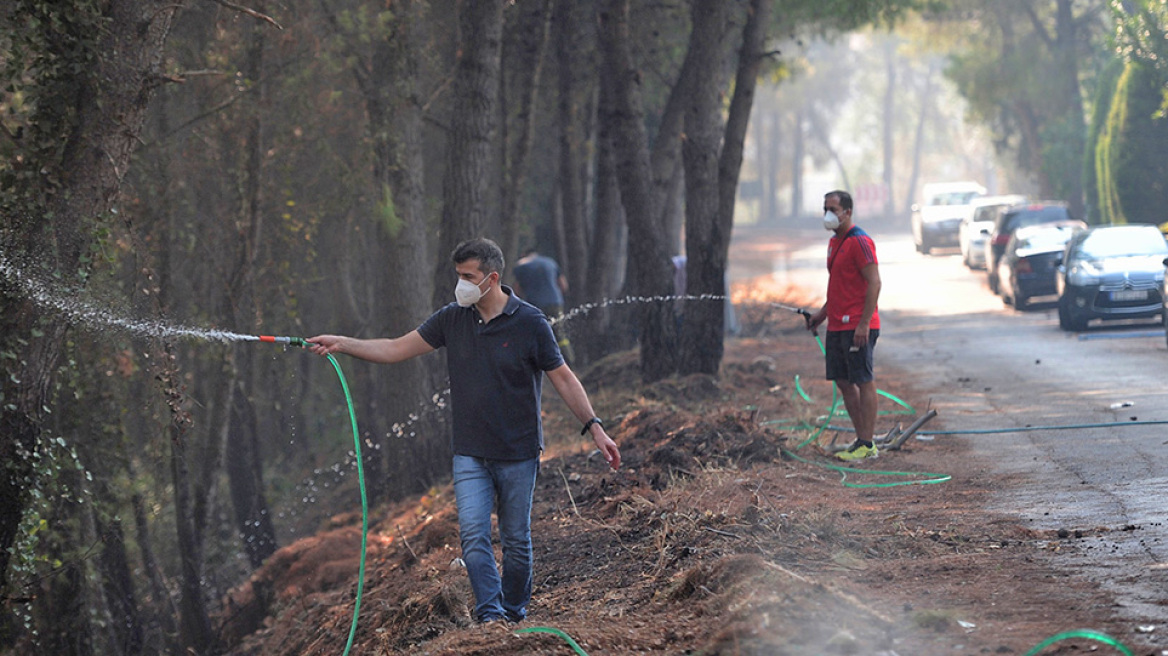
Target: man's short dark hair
{"x":487,"y":252}
{"x":845,"y":199}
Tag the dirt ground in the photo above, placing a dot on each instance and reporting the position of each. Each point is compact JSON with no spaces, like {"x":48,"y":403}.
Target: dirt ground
{"x":711,"y":539}
{"x":723,"y":533}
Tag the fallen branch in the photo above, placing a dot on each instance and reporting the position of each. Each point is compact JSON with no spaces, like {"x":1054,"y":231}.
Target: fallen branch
{"x":725,"y":533}
{"x":892,"y":434}
{"x":895,"y":446}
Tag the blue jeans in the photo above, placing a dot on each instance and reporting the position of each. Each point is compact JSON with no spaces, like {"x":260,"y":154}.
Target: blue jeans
{"x":505,"y":486}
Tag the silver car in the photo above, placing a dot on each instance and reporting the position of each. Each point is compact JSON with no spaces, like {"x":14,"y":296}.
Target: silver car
{"x":1112,"y":272}
{"x":978,"y":223}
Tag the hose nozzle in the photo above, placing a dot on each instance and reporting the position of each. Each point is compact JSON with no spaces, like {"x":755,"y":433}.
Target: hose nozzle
{"x":290,"y":341}
{"x":807,"y":320}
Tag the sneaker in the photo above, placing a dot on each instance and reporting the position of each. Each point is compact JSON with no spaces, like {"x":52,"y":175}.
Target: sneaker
{"x":858,"y":451}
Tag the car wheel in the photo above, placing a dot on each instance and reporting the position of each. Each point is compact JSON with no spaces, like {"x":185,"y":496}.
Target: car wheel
{"x":1021,"y":302}
{"x":993,"y":279}
{"x":1063,"y":319}
{"x":1068,"y":319}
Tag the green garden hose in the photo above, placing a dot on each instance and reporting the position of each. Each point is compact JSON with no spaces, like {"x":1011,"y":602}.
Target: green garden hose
{"x":1081,"y":633}
{"x":364,"y":502}
{"x":928,"y":477}
{"x":554,"y":631}
{"x":303,"y":343}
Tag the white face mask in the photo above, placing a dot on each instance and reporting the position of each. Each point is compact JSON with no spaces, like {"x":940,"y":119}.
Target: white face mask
{"x":467,"y":293}
{"x":830,"y":221}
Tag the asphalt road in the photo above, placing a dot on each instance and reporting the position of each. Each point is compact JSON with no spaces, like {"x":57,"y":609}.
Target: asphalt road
{"x":985,"y":366}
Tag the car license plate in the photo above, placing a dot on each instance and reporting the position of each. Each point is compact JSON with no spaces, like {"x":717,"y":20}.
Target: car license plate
{"x":1130,"y":295}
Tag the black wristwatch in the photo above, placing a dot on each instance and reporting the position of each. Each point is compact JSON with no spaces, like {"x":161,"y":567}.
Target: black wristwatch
{"x":588,"y":424}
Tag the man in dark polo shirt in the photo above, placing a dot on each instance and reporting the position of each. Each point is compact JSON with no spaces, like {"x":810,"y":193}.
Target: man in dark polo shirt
{"x":498,"y":350}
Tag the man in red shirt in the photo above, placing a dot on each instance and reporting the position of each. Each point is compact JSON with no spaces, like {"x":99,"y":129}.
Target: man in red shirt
{"x":853,"y":324}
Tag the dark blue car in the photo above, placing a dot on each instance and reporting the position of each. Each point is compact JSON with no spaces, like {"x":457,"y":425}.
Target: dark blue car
{"x":1029,"y":265}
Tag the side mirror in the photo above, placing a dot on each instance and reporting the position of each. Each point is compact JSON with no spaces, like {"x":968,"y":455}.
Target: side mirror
{"x":985,"y":231}
{"x":1166,"y":261}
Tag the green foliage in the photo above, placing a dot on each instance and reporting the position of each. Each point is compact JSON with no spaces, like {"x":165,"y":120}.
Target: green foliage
{"x":1095,"y":162}
{"x":1131,"y":169}
{"x":49,"y":467}
{"x":1140,"y":31}
{"x":51,"y":46}
{"x":838,"y":16}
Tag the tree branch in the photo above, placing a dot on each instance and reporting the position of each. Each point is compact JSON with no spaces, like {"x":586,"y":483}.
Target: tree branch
{"x":250,"y":12}
{"x":1039,"y":28}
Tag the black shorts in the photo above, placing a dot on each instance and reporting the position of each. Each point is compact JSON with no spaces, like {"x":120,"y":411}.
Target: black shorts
{"x":856,"y":367}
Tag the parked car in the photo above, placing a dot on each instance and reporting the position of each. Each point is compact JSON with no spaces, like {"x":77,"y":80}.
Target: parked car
{"x":1029,"y":266}
{"x":1112,"y":272}
{"x":1018,"y":216}
{"x":1164,"y":289}
{"x":976,"y":226}
{"x":935,"y":222}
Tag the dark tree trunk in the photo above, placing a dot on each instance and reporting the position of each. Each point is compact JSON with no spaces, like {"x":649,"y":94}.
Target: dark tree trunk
{"x":244,"y":461}
{"x":396,"y":121}
{"x":708,"y":264}
{"x":194,"y":622}
{"x":1066,"y":60}
{"x":649,"y":268}
{"x":568,"y":38}
{"x":466,"y":188}
{"x":163,"y":604}
{"x":245,"y":473}
{"x":532,"y":34}
{"x":67,"y":596}
{"x":118,"y":583}
{"x":673,"y":209}
{"x":602,"y":266}
{"x":111,"y":94}
{"x":606,"y":333}
{"x":702,"y":324}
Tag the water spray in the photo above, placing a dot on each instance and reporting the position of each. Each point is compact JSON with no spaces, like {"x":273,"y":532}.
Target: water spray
{"x":797,"y":310}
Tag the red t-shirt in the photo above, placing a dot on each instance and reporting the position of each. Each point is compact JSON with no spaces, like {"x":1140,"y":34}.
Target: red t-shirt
{"x":846,"y":286}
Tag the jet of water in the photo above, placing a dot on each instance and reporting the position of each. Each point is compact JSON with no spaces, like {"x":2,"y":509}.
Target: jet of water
{"x":81,"y":312}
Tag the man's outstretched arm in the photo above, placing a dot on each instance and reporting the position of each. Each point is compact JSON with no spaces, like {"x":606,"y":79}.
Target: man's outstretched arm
{"x":384,"y":351}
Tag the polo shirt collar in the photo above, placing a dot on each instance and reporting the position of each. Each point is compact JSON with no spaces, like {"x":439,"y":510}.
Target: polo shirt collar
{"x":512,"y":300}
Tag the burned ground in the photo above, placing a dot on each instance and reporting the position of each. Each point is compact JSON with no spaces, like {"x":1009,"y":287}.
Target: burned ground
{"x":709,"y":540}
